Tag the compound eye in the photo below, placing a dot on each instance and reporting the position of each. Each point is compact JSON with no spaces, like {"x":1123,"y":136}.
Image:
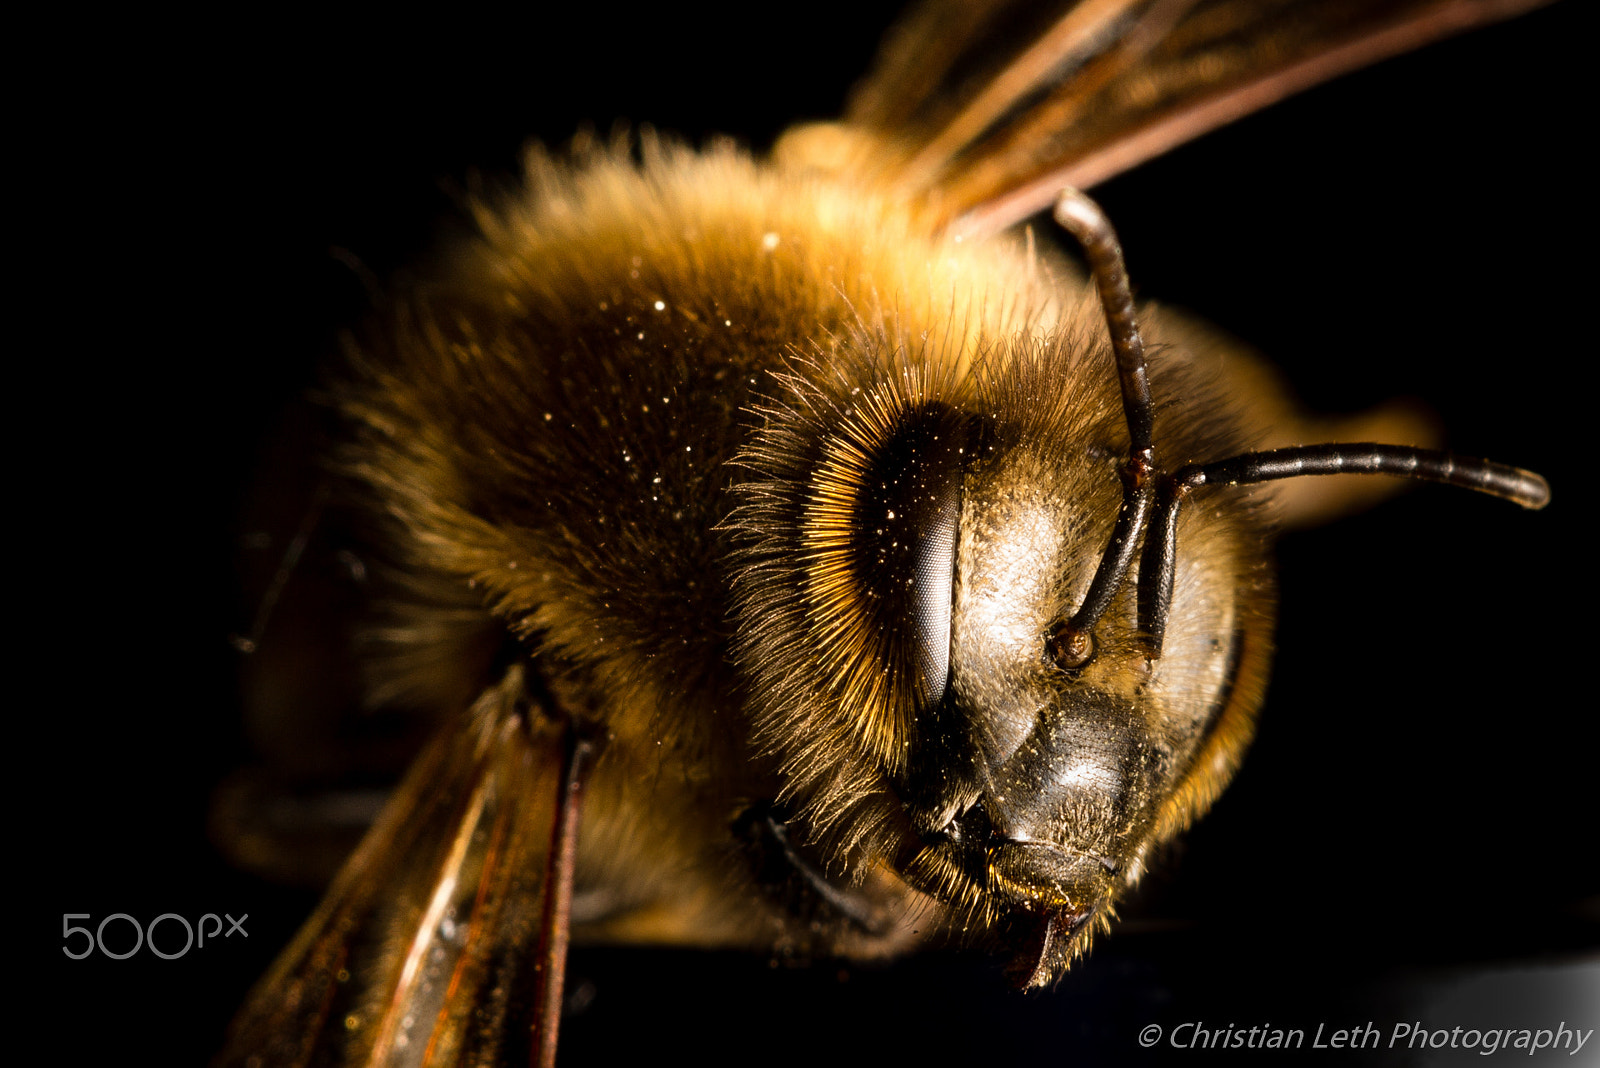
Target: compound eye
{"x":908,"y":521}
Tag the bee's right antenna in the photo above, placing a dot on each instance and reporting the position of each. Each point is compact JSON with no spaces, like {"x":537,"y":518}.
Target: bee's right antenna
{"x":1070,"y":644}
{"x":1159,"y":563}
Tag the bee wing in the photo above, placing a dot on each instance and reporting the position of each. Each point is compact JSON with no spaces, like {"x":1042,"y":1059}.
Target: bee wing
{"x":423,"y":952}
{"x":997,"y":108}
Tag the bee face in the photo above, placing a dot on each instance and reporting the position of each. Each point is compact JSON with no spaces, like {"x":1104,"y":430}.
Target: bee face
{"x":1420,"y":663}
{"x":911,"y":543}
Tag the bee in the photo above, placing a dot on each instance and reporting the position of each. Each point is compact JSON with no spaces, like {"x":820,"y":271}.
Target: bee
{"x":715,"y":623}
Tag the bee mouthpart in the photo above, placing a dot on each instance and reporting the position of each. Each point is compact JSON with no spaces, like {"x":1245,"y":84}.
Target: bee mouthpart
{"x":1055,"y":894}
{"x":1044,"y":945}
{"x":1040,"y":876}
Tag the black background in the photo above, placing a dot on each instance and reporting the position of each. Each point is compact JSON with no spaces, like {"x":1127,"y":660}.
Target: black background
{"x":1418,"y":804}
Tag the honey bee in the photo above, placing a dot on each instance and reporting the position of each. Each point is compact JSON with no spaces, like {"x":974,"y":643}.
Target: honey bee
{"x":766,"y":772}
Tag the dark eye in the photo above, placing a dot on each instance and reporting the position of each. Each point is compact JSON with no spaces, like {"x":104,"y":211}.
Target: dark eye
{"x":907,"y":521}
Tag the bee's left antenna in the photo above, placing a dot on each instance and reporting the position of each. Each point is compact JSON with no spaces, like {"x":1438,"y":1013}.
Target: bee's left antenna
{"x":1071,"y":643}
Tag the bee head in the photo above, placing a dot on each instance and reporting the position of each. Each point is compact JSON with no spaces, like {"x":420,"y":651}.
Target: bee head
{"x":914,"y":533}
{"x":1037,"y":789}
{"x":973,"y":645}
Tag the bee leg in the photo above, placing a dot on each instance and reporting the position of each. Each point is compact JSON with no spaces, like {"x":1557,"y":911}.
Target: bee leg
{"x":555,"y":925}
{"x":797,"y":886}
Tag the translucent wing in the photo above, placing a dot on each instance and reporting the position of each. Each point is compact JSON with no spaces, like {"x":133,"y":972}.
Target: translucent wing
{"x":425,"y":950}
{"x":991,"y":109}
